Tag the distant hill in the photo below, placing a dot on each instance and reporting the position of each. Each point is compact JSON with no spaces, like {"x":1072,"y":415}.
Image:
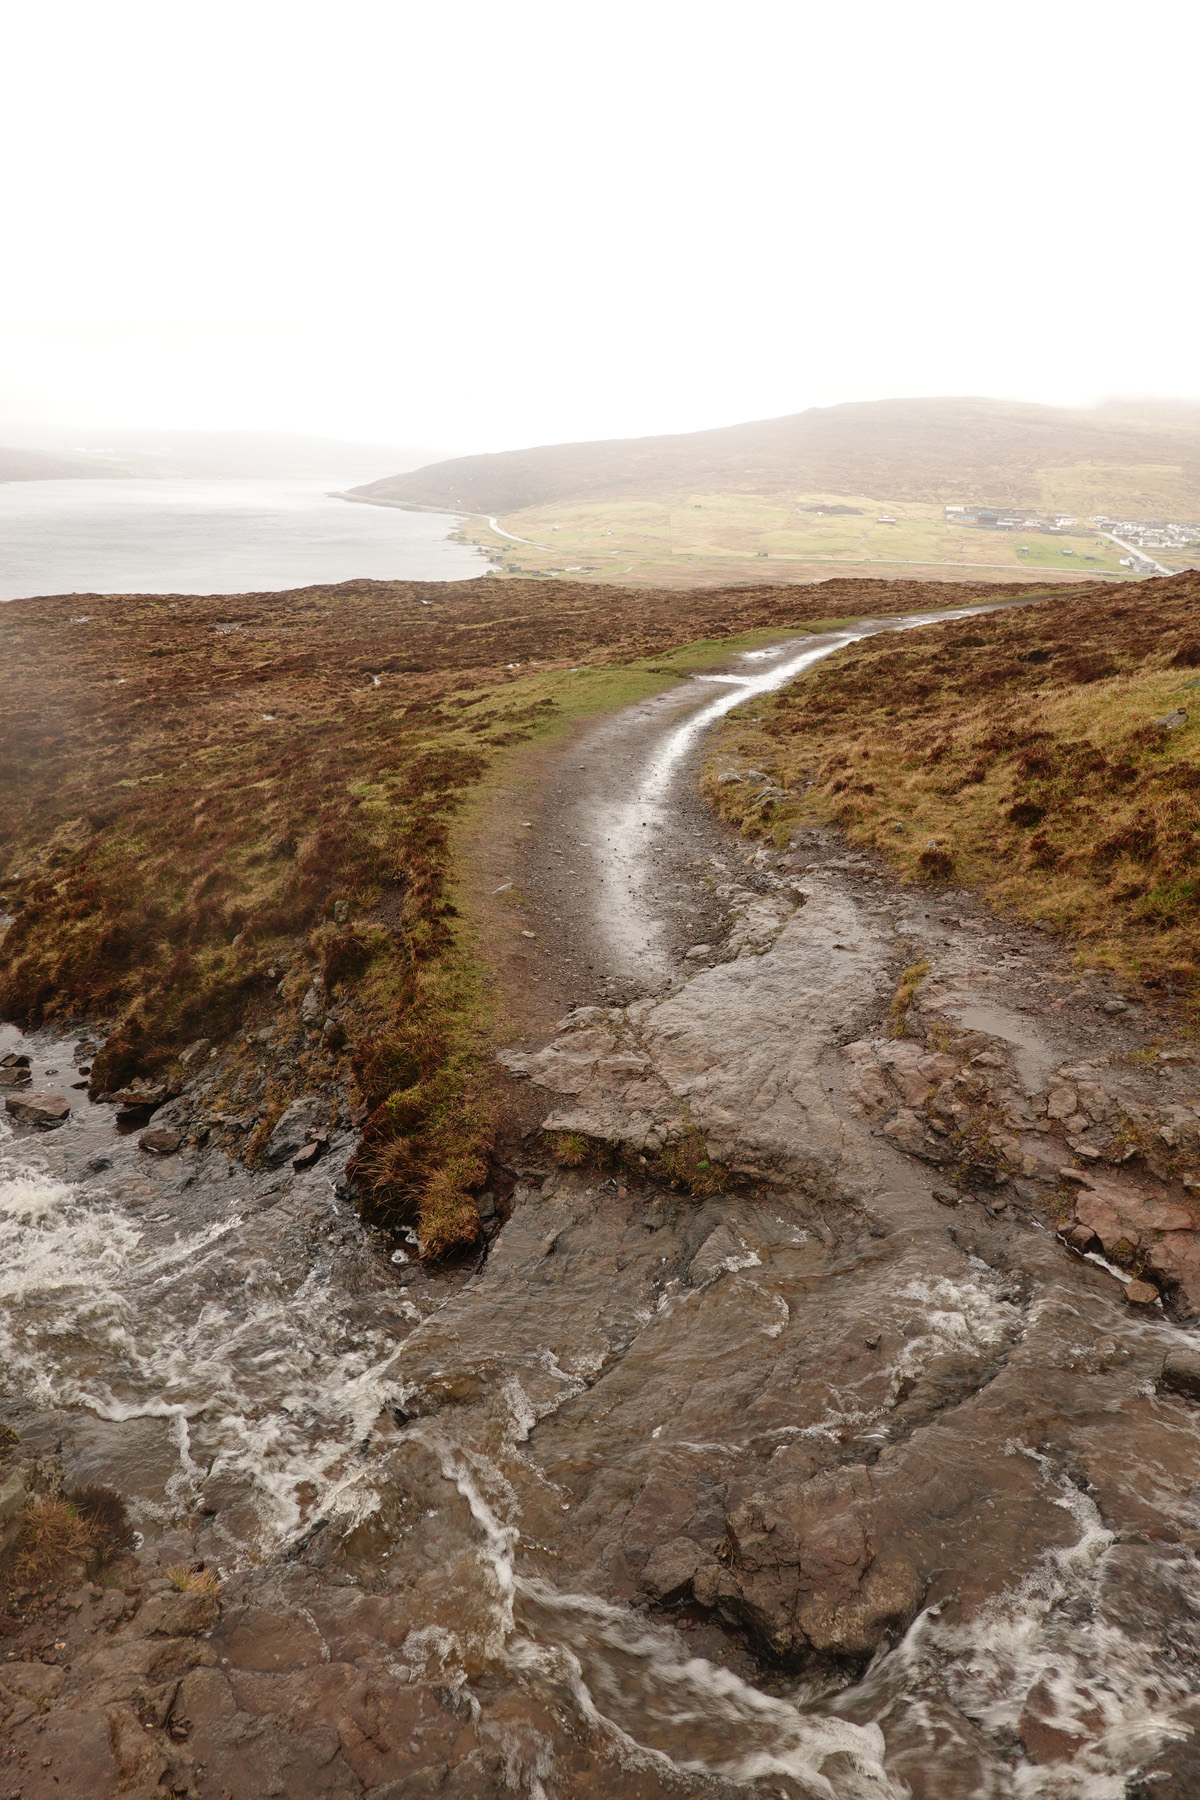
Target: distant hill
{"x":1127,"y":455}
{"x":245,"y":455}
{"x":33,"y":465}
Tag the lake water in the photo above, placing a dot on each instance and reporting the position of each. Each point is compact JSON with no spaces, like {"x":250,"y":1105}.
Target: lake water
{"x":119,"y":536}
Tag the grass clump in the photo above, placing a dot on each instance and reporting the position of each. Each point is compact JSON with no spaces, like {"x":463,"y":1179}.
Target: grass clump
{"x":190,"y":1578}
{"x":687,"y":1164}
{"x":905,"y":994}
{"x":572,"y":1150}
{"x":89,"y":1524}
{"x":1035,"y":754}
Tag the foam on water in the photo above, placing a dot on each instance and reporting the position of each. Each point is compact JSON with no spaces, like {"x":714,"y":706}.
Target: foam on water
{"x":1049,"y":1656}
{"x":261,"y":1383}
{"x":633,"y":1683}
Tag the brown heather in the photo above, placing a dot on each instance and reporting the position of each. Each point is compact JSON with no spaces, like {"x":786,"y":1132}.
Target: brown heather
{"x":181,"y":864}
{"x":1016,"y":753}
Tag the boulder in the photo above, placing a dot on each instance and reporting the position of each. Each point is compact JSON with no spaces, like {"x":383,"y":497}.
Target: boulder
{"x":160,"y":1142}
{"x":1181,"y":1373}
{"x":178,"y":1614}
{"x":809,"y":1573}
{"x":140,"y":1094}
{"x":668,"y":1574}
{"x":38,"y":1109}
{"x":1175,"y":1260}
{"x":294,"y":1129}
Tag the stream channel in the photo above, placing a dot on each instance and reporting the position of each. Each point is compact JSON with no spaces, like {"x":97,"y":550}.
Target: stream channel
{"x":963,"y":1518}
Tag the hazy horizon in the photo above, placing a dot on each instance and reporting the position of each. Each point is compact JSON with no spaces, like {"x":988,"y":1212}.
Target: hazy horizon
{"x":479,"y":231}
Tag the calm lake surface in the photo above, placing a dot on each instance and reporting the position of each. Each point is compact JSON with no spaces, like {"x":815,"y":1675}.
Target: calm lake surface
{"x":119,"y":536}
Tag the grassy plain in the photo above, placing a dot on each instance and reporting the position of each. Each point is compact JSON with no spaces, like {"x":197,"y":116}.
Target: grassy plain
{"x":231,"y":818}
{"x":726,"y":537}
{"x":1022,"y":754}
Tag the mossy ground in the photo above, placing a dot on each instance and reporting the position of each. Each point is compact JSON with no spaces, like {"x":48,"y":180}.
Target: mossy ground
{"x":1015,"y":753}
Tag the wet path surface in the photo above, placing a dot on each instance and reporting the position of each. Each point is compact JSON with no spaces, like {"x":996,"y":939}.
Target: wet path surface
{"x":821,"y":1485}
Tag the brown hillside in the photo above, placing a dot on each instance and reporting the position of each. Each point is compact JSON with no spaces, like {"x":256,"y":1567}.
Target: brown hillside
{"x":1044,"y":755}
{"x":906,"y":450}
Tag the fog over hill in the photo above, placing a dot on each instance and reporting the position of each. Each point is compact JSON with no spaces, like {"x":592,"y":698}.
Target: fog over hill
{"x":57,"y":452}
{"x":1122,"y":454}
{"x":35,"y":465}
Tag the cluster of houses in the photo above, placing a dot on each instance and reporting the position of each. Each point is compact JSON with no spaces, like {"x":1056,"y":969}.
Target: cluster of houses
{"x":1149,"y":534}
{"x":1008,"y":518}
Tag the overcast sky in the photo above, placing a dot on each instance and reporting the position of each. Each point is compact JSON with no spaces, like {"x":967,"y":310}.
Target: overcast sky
{"x":473,"y":226}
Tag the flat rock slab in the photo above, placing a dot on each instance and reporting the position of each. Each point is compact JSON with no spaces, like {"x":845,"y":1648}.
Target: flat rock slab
{"x":38,"y":1109}
{"x":736,"y":1053}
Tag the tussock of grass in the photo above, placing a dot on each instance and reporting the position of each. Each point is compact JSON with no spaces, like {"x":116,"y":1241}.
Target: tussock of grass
{"x":57,"y":1528}
{"x":52,"y":1532}
{"x":572,"y":1150}
{"x":1018,"y":754}
{"x":687,"y":1164}
{"x":186,"y":1578}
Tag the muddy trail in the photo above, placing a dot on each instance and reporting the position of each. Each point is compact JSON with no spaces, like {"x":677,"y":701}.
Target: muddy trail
{"x":872,"y":1471}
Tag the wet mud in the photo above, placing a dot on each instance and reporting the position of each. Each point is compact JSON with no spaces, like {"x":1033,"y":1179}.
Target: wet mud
{"x":857,"y":1477}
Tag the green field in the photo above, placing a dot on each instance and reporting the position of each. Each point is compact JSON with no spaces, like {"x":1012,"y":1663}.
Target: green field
{"x":746,"y":537}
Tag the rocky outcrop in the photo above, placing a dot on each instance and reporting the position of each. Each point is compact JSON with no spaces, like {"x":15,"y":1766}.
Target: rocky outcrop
{"x":805,"y":1575}
{"x":734,"y":1053}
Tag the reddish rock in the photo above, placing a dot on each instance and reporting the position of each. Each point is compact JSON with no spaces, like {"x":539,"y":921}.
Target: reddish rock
{"x":1175,"y":1259}
{"x":160,"y":1142}
{"x":179,"y":1615}
{"x":273,"y":1640}
{"x":1118,"y":1238}
{"x":1048,"y":1737}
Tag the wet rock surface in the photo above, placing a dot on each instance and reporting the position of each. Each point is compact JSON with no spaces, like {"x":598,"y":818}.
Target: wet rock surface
{"x":858,"y":1477}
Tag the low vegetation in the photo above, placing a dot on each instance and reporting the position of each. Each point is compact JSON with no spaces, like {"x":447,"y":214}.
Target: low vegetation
{"x":226,"y":825}
{"x":89,"y":1525}
{"x":1048,"y":755}
{"x":684,"y":1164}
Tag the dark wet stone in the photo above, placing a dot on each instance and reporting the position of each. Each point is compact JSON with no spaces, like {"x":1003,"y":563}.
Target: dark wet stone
{"x":295,"y":1128}
{"x":1181,"y":1373}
